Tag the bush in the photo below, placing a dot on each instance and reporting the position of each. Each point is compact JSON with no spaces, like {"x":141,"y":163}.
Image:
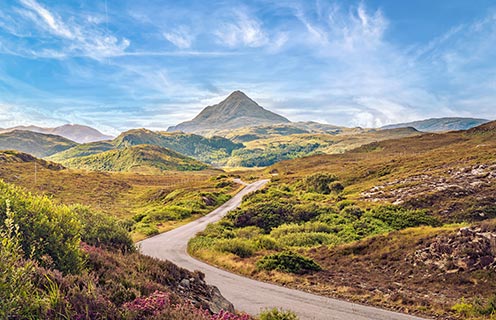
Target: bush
{"x":18,"y":295}
{"x":266,"y":243}
{"x":308,"y":239}
{"x":277,"y":314}
{"x":50,"y":233}
{"x":288,"y":262}
{"x":319,"y":182}
{"x":400,"y":218}
{"x":352,"y":212}
{"x":241,"y":248}
{"x":336,"y":187}
{"x":102,"y":230}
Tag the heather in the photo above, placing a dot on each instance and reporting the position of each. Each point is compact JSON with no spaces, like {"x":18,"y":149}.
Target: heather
{"x":69,"y":262}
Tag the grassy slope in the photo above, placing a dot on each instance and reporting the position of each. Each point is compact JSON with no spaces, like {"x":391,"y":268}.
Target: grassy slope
{"x":208,"y":150}
{"x":140,"y":158}
{"x":123,"y":195}
{"x":37,"y":144}
{"x":275,"y":147}
{"x":450,"y":175}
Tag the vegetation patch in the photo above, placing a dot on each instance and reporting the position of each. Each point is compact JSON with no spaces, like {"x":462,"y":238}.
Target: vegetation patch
{"x":288,"y":261}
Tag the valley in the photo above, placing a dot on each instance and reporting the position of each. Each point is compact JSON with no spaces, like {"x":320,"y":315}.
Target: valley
{"x":392,"y":218}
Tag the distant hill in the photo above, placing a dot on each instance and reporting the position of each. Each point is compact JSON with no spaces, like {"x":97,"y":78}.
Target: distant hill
{"x":440,"y":124}
{"x":139,"y":158}
{"x":208,"y":150}
{"x":10,"y":156}
{"x":37,"y":144}
{"x":201,"y":148}
{"x":236,"y":111}
{"x":74,"y":132}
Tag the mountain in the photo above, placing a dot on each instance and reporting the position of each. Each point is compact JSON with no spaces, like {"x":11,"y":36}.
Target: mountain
{"x":74,"y":132}
{"x":440,"y":124}
{"x":236,"y":111}
{"x":139,"y":158}
{"x":37,"y":144}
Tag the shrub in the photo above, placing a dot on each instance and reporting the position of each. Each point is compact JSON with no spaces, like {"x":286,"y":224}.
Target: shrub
{"x":266,"y":243}
{"x":288,"y":262}
{"x":241,"y":248}
{"x":463,"y":308}
{"x":401,"y":218}
{"x":336,"y":187}
{"x":18,"y":295}
{"x":352,"y":212}
{"x":50,"y":233}
{"x":319,"y":182}
{"x":102,"y":230}
{"x":278,"y":314}
{"x":308,"y":239}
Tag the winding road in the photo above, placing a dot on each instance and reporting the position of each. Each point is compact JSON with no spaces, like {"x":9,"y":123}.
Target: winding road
{"x":250,"y":295}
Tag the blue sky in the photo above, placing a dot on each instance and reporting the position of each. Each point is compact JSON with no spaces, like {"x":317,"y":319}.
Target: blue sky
{"x":124,"y":64}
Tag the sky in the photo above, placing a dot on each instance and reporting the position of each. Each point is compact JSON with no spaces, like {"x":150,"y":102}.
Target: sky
{"x":122,"y":64}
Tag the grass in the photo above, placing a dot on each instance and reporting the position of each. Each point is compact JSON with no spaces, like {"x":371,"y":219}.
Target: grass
{"x":359,"y":239}
{"x":123,"y":195}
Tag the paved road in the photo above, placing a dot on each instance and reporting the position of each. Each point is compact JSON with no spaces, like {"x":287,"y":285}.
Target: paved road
{"x":249,"y":295}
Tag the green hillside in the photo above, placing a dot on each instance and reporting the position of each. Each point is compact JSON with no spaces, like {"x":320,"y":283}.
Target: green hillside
{"x":210,"y":150}
{"x":37,"y":144}
{"x":204,"y":149}
{"x":275,"y":148}
{"x":139,"y":158}
{"x":82,"y":150}
{"x":408,"y":224}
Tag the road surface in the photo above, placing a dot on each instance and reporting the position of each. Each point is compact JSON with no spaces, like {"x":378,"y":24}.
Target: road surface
{"x":250,"y":295}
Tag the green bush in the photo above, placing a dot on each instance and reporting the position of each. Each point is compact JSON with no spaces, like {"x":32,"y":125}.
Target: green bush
{"x":319,"y":182}
{"x":288,"y":262}
{"x":336,"y":187}
{"x":352,"y":212}
{"x":18,"y":295}
{"x":198,"y":243}
{"x":239,"y":247}
{"x":102,"y":230}
{"x":50,"y":233}
{"x":308,"y":239}
{"x":277,"y":314}
{"x":266,"y":243}
{"x":400,"y":218}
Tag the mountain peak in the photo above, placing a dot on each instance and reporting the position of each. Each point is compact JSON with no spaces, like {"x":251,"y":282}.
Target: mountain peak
{"x":236,"y":111}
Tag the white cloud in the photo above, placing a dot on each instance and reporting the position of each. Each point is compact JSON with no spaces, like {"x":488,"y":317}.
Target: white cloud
{"x":54,"y":24}
{"x":75,"y":39}
{"x":181,"y":37}
{"x":244,"y":30}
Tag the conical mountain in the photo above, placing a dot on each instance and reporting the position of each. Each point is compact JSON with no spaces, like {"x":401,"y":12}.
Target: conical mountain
{"x":236,"y":111}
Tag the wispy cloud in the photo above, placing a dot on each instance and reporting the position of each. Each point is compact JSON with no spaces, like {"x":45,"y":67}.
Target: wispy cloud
{"x":242,"y":30}
{"x":78,"y":36}
{"x":181,"y":37}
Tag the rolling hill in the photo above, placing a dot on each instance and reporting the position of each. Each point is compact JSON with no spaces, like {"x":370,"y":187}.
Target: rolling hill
{"x":236,"y":111}
{"x":209,"y":150}
{"x":440,"y":124}
{"x":139,"y":158}
{"x":74,"y":132}
{"x":37,"y":144}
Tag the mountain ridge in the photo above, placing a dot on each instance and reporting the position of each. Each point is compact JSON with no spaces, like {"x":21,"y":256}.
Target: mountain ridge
{"x":75,"y":132}
{"x":440,"y":124}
